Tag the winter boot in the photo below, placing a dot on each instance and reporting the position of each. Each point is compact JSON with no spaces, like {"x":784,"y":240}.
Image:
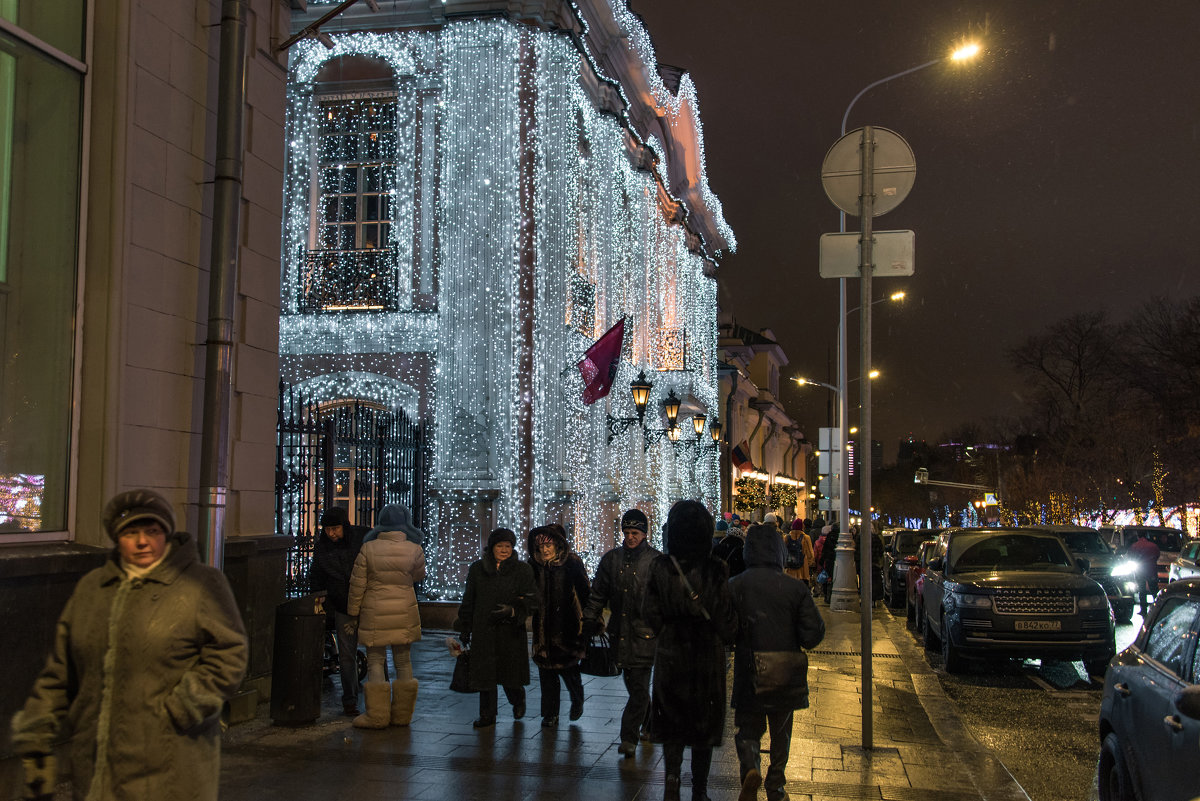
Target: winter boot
{"x":404,"y":700}
{"x":377,"y":697}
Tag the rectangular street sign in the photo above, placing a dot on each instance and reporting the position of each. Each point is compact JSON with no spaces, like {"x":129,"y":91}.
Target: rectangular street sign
{"x":827,"y":439}
{"x":893,"y":254}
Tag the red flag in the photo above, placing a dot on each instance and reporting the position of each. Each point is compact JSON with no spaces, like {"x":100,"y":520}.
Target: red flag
{"x":599,"y":365}
{"x":740,"y":458}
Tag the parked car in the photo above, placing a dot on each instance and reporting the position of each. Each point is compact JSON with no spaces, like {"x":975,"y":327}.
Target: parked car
{"x":1150,"y":711}
{"x":898,"y":557}
{"x":1104,"y":566}
{"x":1168,"y":540}
{"x":914,"y":581}
{"x":1013,"y":592}
{"x":1188,"y":563}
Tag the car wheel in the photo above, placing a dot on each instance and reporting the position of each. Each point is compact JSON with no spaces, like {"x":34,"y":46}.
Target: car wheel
{"x":910,"y":613}
{"x":1113,"y":778}
{"x":919,"y":614}
{"x":951,"y":656}
{"x":360,"y":661}
{"x":1125,"y":614}
{"x":1096,"y":667}
{"x":932,"y":643}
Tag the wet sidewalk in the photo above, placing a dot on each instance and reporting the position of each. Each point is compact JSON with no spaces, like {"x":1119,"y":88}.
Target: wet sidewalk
{"x":921,"y":748}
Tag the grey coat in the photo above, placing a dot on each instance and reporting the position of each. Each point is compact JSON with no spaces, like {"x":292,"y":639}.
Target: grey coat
{"x":620,"y":584}
{"x":155,"y":659}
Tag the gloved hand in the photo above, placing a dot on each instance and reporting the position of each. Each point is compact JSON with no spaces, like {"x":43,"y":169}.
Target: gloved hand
{"x":40,"y":777}
{"x":465,"y":638}
{"x":350,"y":627}
{"x":504,"y":613}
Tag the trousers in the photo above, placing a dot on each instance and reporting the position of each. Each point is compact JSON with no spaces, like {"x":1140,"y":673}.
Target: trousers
{"x":751,"y":724}
{"x":548,"y":678}
{"x":347,"y":644}
{"x":489,"y":700}
{"x":637,"y":684}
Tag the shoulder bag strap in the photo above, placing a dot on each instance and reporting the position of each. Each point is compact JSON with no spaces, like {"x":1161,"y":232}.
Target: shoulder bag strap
{"x":688,"y":587}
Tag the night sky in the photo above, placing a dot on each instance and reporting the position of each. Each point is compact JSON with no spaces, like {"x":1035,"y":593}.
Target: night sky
{"x":1057,"y":173}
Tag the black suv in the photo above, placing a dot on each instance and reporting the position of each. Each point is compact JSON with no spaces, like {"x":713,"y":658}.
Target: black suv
{"x":1150,"y":712}
{"x":1013,"y":592}
{"x":1089,"y":544}
{"x":899,"y":555}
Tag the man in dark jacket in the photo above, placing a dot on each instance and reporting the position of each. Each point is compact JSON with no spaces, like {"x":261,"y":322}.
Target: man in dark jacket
{"x":775,"y":613}
{"x":620,"y":585}
{"x":333,"y":562}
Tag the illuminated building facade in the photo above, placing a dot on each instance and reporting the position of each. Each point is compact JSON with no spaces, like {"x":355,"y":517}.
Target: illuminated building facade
{"x":475,"y":193}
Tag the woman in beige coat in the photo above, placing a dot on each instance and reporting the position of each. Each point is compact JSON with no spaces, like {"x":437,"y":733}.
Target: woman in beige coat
{"x":384,"y":601}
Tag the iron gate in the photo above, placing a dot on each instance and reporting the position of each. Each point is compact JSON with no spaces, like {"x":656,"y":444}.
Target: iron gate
{"x":353,"y":454}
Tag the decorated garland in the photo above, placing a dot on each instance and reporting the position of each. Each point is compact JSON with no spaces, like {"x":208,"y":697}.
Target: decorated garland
{"x":783,"y":496}
{"x":751,"y":495}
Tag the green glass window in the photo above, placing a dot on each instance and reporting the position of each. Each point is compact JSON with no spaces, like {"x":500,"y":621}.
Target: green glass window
{"x":58,"y":23}
{"x":40,"y":147}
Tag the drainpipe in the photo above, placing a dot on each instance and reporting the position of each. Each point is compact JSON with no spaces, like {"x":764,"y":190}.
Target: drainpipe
{"x":222,"y":284}
{"x":723,"y":458}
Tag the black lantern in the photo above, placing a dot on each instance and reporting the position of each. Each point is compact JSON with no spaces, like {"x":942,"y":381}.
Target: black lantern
{"x":671,"y":406}
{"x":698,"y":424}
{"x":714,"y":428}
{"x":640,"y":388}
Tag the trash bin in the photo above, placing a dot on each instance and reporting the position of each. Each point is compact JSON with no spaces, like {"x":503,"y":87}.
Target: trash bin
{"x":297,"y":659}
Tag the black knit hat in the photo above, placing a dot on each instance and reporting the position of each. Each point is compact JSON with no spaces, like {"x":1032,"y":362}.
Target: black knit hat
{"x":140,"y":504}
{"x":501,"y":535}
{"x":334,"y":516}
{"x":635,"y":518}
{"x":689,"y":531}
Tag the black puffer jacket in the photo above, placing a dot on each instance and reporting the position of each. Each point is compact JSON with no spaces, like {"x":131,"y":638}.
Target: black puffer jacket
{"x":499,"y":651}
{"x":562,"y":592}
{"x":332,"y":564}
{"x":775,"y":613}
{"x":620,"y":584}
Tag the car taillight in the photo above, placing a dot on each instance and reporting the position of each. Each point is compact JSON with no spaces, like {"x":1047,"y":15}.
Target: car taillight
{"x":912,"y":560}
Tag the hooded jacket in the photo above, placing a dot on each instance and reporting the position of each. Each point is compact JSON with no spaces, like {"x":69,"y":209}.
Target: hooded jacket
{"x":396,"y":517}
{"x":562,"y":592}
{"x":382,"y":592}
{"x":774,"y":611}
{"x":687,"y":705}
{"x":139,"y":673}
{"x":332,"y":564}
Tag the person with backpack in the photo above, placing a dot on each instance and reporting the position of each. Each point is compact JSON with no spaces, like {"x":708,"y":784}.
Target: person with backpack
{"x":729,"y":550}
{"x":800,"y":555}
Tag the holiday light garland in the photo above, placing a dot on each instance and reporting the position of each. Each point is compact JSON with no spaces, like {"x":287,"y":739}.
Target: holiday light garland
{"x":496,"y":161}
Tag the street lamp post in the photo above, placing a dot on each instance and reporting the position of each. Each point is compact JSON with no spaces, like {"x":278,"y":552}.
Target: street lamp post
{"x":867,"y":212}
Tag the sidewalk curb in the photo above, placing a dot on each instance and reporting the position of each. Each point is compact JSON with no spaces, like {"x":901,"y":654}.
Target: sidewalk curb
{"x":990,"y":776}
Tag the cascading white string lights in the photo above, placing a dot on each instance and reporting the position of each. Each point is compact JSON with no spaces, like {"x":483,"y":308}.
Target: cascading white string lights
{"x":522,"y":230}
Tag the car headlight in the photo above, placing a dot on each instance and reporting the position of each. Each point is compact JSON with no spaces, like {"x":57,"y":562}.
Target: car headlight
{"x":1131,"y":587}
{"x":972,"y":601}
{"x":1126,"y":568}
{"x":1092,"y":601}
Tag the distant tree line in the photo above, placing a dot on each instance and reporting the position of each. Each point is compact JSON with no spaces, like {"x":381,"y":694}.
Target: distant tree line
{"x":1110,"y":420}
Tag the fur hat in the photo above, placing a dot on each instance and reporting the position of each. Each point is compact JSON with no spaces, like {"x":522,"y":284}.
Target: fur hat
{"x":334,"y":516}
{"x":141,"y":504}
{"x":689,"y":531}
{"x":635,"y":518}
{"x":771,"y":519}
{"x":501,"y":535}
{"x":551,"y":533}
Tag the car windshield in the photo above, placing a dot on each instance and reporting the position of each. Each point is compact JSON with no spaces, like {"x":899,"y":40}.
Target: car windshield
{"x":1084,"y":541}
{"x":1167,"y":539}
{"x":1008,"y":552}
{"x":907,"y":542}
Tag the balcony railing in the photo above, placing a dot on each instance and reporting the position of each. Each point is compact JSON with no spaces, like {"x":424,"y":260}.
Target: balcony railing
{"x":349,"y":280}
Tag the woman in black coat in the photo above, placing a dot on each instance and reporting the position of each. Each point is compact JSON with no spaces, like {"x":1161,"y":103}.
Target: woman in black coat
{"x":499,"y":596}
{"x":688,"y":604}
{"x":562,"y":593}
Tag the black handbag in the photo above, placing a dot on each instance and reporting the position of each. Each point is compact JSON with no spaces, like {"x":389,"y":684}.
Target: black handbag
{"x":460,"y":682}
{"x":600,"y":658}
{"x":781,"y":679}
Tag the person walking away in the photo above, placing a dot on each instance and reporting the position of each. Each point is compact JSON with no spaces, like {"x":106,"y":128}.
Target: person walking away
{"x":620,"y":585}
{"x":558,"y":644}
{"x":1146,"y":552}
{"x":333,"y":562}
{"x":384,"y":600}
{"x":689,"y":606}
{"x":800,"y":556}
{"x":774,"y":614}
{"x":146,"y":652}
{"x":729,"y":550}
{"x":829,"y":556}
{"x":499,"y":595}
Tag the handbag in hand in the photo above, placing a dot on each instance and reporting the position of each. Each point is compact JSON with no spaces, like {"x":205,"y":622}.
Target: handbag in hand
{"x":781,"y":679}
{"x":601,"y":657}
{"x":460,"y":682}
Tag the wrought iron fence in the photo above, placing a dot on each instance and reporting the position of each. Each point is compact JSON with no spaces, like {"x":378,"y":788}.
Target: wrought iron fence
{"x":351,"y":454}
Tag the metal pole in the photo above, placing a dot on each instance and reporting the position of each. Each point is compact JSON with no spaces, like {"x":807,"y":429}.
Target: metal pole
{"x":866,"y":265}
{"x":222,"y":284}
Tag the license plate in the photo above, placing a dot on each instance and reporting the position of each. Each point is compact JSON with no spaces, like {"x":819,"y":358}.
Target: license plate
{"x":1038,"y":625}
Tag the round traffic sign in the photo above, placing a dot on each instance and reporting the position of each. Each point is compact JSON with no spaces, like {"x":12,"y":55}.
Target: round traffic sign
{"x":895,"y":171}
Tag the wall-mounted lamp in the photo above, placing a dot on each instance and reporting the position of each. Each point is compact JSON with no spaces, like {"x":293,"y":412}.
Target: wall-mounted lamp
{"x":714,"y":428}
{"x":698,"y":424}
{"x":671,"y":407}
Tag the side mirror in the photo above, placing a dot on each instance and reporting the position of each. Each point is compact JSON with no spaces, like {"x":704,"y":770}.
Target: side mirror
{"x":1083,"y":564}
{"x":1188,"y":701}
{"x":935,"y":563}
